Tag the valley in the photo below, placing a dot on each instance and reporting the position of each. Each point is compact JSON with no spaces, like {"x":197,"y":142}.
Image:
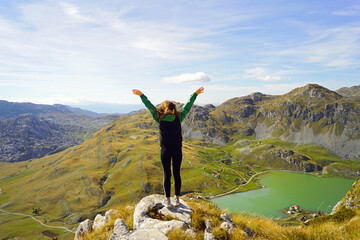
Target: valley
{"x":225,"y":147}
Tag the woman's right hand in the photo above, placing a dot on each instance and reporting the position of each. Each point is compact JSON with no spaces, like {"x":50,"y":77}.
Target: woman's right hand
{"x":137,"y":92}
{"x":200,"y":90}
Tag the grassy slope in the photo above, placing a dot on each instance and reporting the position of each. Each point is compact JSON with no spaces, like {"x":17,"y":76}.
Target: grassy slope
{"x":332,"y":228}
{"x":121,"y":161}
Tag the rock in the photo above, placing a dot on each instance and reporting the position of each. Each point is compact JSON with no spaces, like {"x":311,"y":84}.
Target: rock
{"x":248,"y":232}
{"x":208,"y":235}
{"x":83,"y":228}
{"x":228,"y":224}
{"x":143,"y":221}
{"x":100,"y":220}
{"x":225,"y":217}
{"x":146,"y":234}
{"x":134,"y":137}
{"x":120,"y":227}
{"x":181,"y":212}
{"x":229,"y":227}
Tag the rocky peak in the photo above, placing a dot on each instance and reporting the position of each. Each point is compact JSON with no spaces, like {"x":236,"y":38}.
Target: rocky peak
{"x":313,"y":92}
{"x":257,"y":96}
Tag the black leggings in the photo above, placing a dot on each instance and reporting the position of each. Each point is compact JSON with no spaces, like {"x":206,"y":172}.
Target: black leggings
{"x":174,"y":153}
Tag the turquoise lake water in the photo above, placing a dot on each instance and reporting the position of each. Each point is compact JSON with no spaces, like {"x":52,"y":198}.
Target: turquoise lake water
{"x":284,"y":189}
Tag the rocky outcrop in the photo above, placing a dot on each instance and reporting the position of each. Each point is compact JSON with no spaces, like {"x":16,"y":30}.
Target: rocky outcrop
{"x":144,"y":226}
{"x":350,"y":201}
{"x":298,"y":161}
{"x":181,"y":213}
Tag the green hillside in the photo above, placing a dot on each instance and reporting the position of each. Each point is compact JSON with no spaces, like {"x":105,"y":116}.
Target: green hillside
{"x":121,"y":164}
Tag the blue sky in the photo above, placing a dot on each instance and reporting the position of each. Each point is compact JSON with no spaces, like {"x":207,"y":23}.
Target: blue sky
{"x":81,"y":52}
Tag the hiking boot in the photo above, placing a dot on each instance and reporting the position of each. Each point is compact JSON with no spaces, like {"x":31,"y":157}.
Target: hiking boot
{"x":166,"y":203}
{"x":177,"y":201}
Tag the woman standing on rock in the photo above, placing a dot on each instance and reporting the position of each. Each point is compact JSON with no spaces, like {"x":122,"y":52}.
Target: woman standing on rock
{"x":169,"y":121}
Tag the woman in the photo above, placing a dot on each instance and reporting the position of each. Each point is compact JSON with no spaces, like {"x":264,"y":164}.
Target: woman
{"x":169,"y":121}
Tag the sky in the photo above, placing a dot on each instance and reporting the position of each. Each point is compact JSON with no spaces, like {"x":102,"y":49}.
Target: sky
{"x":90,"y":51}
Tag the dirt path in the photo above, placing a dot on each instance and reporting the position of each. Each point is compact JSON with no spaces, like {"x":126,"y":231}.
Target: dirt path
{"x":241,"y":185}
{"x":14,"y":174}
{"x":45,"y":225}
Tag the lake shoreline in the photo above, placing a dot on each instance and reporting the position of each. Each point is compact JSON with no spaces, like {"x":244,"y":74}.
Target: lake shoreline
{"x":284,"y":189}
{"x":256,"y":174}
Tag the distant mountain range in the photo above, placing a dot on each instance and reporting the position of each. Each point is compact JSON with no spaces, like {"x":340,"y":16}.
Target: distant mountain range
{"x":110,"y":108}
{"x":14,"y":109}
{"x":307,"y":115}
{"x":30,"y":130}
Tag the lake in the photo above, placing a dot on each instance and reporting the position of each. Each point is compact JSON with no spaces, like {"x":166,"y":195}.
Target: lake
{"x":284,"y":189}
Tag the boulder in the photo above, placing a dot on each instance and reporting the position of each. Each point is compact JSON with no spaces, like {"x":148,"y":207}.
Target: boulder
{"x":120,"y":227}
{"x":181,"y":212}
{"x":100,"y":220}
{"x":83,"y":228}
{"x":228,"y":224}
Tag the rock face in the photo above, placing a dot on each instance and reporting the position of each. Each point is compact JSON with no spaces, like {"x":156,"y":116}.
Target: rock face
{"x":296,"y":160}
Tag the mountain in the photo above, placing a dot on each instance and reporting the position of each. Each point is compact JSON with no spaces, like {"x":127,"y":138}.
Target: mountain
{"x":30,"y":130}
{"x":307,"y":115}
{"x":28,"y":136}
{"x":353,"y":91}
{"x":14,"y":109}
{"x":224,"y":147}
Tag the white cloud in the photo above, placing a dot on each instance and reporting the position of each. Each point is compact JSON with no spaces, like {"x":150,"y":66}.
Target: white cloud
{"x":188,"y":77}
{"x":261,"y":74}
{"x":335,"y":47}
{"x":350,"y":11}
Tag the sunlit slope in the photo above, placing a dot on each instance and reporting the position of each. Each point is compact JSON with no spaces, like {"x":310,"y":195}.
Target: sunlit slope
{"x":121,"y":163}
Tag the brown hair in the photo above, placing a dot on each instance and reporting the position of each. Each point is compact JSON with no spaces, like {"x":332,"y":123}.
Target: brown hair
{"x":167,"y":108}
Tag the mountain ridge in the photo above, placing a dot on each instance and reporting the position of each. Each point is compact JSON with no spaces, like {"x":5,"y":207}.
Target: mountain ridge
{"x":307,"y":115}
